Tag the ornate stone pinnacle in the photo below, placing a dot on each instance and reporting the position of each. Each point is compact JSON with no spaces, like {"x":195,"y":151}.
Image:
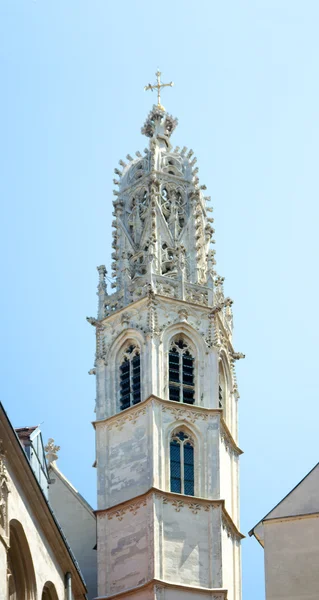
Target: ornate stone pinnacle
{"x":159,"y":122}
{"x":51,"y":451}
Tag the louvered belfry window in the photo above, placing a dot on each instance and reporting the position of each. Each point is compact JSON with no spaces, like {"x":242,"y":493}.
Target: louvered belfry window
{"x":130,"y":378}
{"x":182,"y":464}
{"x":181,"y":372}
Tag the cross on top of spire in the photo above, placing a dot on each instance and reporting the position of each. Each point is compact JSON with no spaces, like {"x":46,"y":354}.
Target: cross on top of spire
{"x":158,"y":86}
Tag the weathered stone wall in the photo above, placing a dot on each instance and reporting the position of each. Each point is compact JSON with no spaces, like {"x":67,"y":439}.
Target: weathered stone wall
{"x":125,"y":543}
{"x":132,"y":458}
{"x":124,"y":457}
{"x":133,"y":453}
{"x":190,"y":547}
{"x":229,"y":479}
{"x":168,"y":537}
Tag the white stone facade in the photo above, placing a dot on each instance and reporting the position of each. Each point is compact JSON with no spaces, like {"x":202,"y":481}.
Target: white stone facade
{"x":153,"y":542}
{"x":34,"y":557}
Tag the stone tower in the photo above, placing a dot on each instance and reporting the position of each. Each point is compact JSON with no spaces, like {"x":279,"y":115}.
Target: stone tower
{"x":166,"y":404}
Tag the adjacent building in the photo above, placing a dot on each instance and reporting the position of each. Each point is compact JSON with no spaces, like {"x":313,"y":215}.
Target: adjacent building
{"x":36,"y":562}
{"x":289,"y":534}
{"x":76,"y":518}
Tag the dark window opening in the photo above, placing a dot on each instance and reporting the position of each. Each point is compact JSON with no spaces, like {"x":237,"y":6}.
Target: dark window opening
{"x":220,"y":397}
{"x":130,"y":378}
{"x":181,"y":373}
{"x":182,"y":464}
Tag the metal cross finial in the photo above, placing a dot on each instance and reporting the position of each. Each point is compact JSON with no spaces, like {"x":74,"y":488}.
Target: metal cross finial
{"x":158,"y":86}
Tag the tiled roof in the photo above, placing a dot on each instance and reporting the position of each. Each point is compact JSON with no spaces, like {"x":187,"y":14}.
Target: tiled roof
{"x":24,"y":433}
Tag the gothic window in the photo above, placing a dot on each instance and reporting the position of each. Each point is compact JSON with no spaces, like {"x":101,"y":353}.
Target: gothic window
{"x":182,"y":464}
{"x":181,"y":372}
{"x":222,"y":387}
{"x":220,"y":397}
{"x":130,"y":378}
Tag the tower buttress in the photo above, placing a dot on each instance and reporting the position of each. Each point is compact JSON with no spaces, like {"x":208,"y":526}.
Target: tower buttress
{"x":167,"y":451}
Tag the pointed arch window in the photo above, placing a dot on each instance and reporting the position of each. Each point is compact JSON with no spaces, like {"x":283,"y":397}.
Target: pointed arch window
{"x":220,"y":396}
{"x":222,"y":387}
{"x":182,"y":464}
{"x":181,"y":372}
{"x":130,"y":378}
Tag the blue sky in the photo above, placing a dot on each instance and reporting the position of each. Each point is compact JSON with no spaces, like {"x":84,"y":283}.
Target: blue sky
{"x":72,"y":104}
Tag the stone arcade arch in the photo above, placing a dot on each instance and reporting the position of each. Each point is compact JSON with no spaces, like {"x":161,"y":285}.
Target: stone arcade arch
{"x":21,"y":576}
{"x":49,"y":592}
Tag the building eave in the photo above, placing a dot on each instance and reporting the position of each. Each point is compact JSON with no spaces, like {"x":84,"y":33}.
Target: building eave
{"x":222,"y":592}
{"x":189,"y":500}
{"x":252,"y":532}
{"x":171,"y":404}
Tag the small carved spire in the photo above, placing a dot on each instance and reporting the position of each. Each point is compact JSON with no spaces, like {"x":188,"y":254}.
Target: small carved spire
{"x":102,"y":273}
{"x":101,"y":290}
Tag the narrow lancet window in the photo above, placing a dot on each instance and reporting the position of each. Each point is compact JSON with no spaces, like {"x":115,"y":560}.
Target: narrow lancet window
{"x":220,"y":397}
{"x":222,"y":387}
{"x":181,"y":372}
{"x":182,"y":464}
{"x":130,"y":378}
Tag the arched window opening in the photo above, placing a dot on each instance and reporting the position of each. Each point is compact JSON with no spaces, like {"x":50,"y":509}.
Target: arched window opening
{"x":182,"y":464}
{"x":222,"y":387}
{"x":181,"y":372}
{"x":49,"y":592}
{"x":220,"y":396}
{"x":20,"y":571}
{"x":130,"y":378}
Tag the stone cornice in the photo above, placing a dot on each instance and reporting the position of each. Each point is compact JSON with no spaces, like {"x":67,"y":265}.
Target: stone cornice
{"x":159,"y":584}
{"x":225,"y":432}
{"x":201,"y":411}
{"x":301,"y":517}
{"x":116,"y":313}
{"x":197,"y":305}
{"x":258,"y":530}
{"x":136,"y":303}
{"x":189,"y":412}
{"x":179,"y":501}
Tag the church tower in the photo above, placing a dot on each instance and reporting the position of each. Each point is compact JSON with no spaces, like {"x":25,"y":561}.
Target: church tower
{"x":166,"y":405}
